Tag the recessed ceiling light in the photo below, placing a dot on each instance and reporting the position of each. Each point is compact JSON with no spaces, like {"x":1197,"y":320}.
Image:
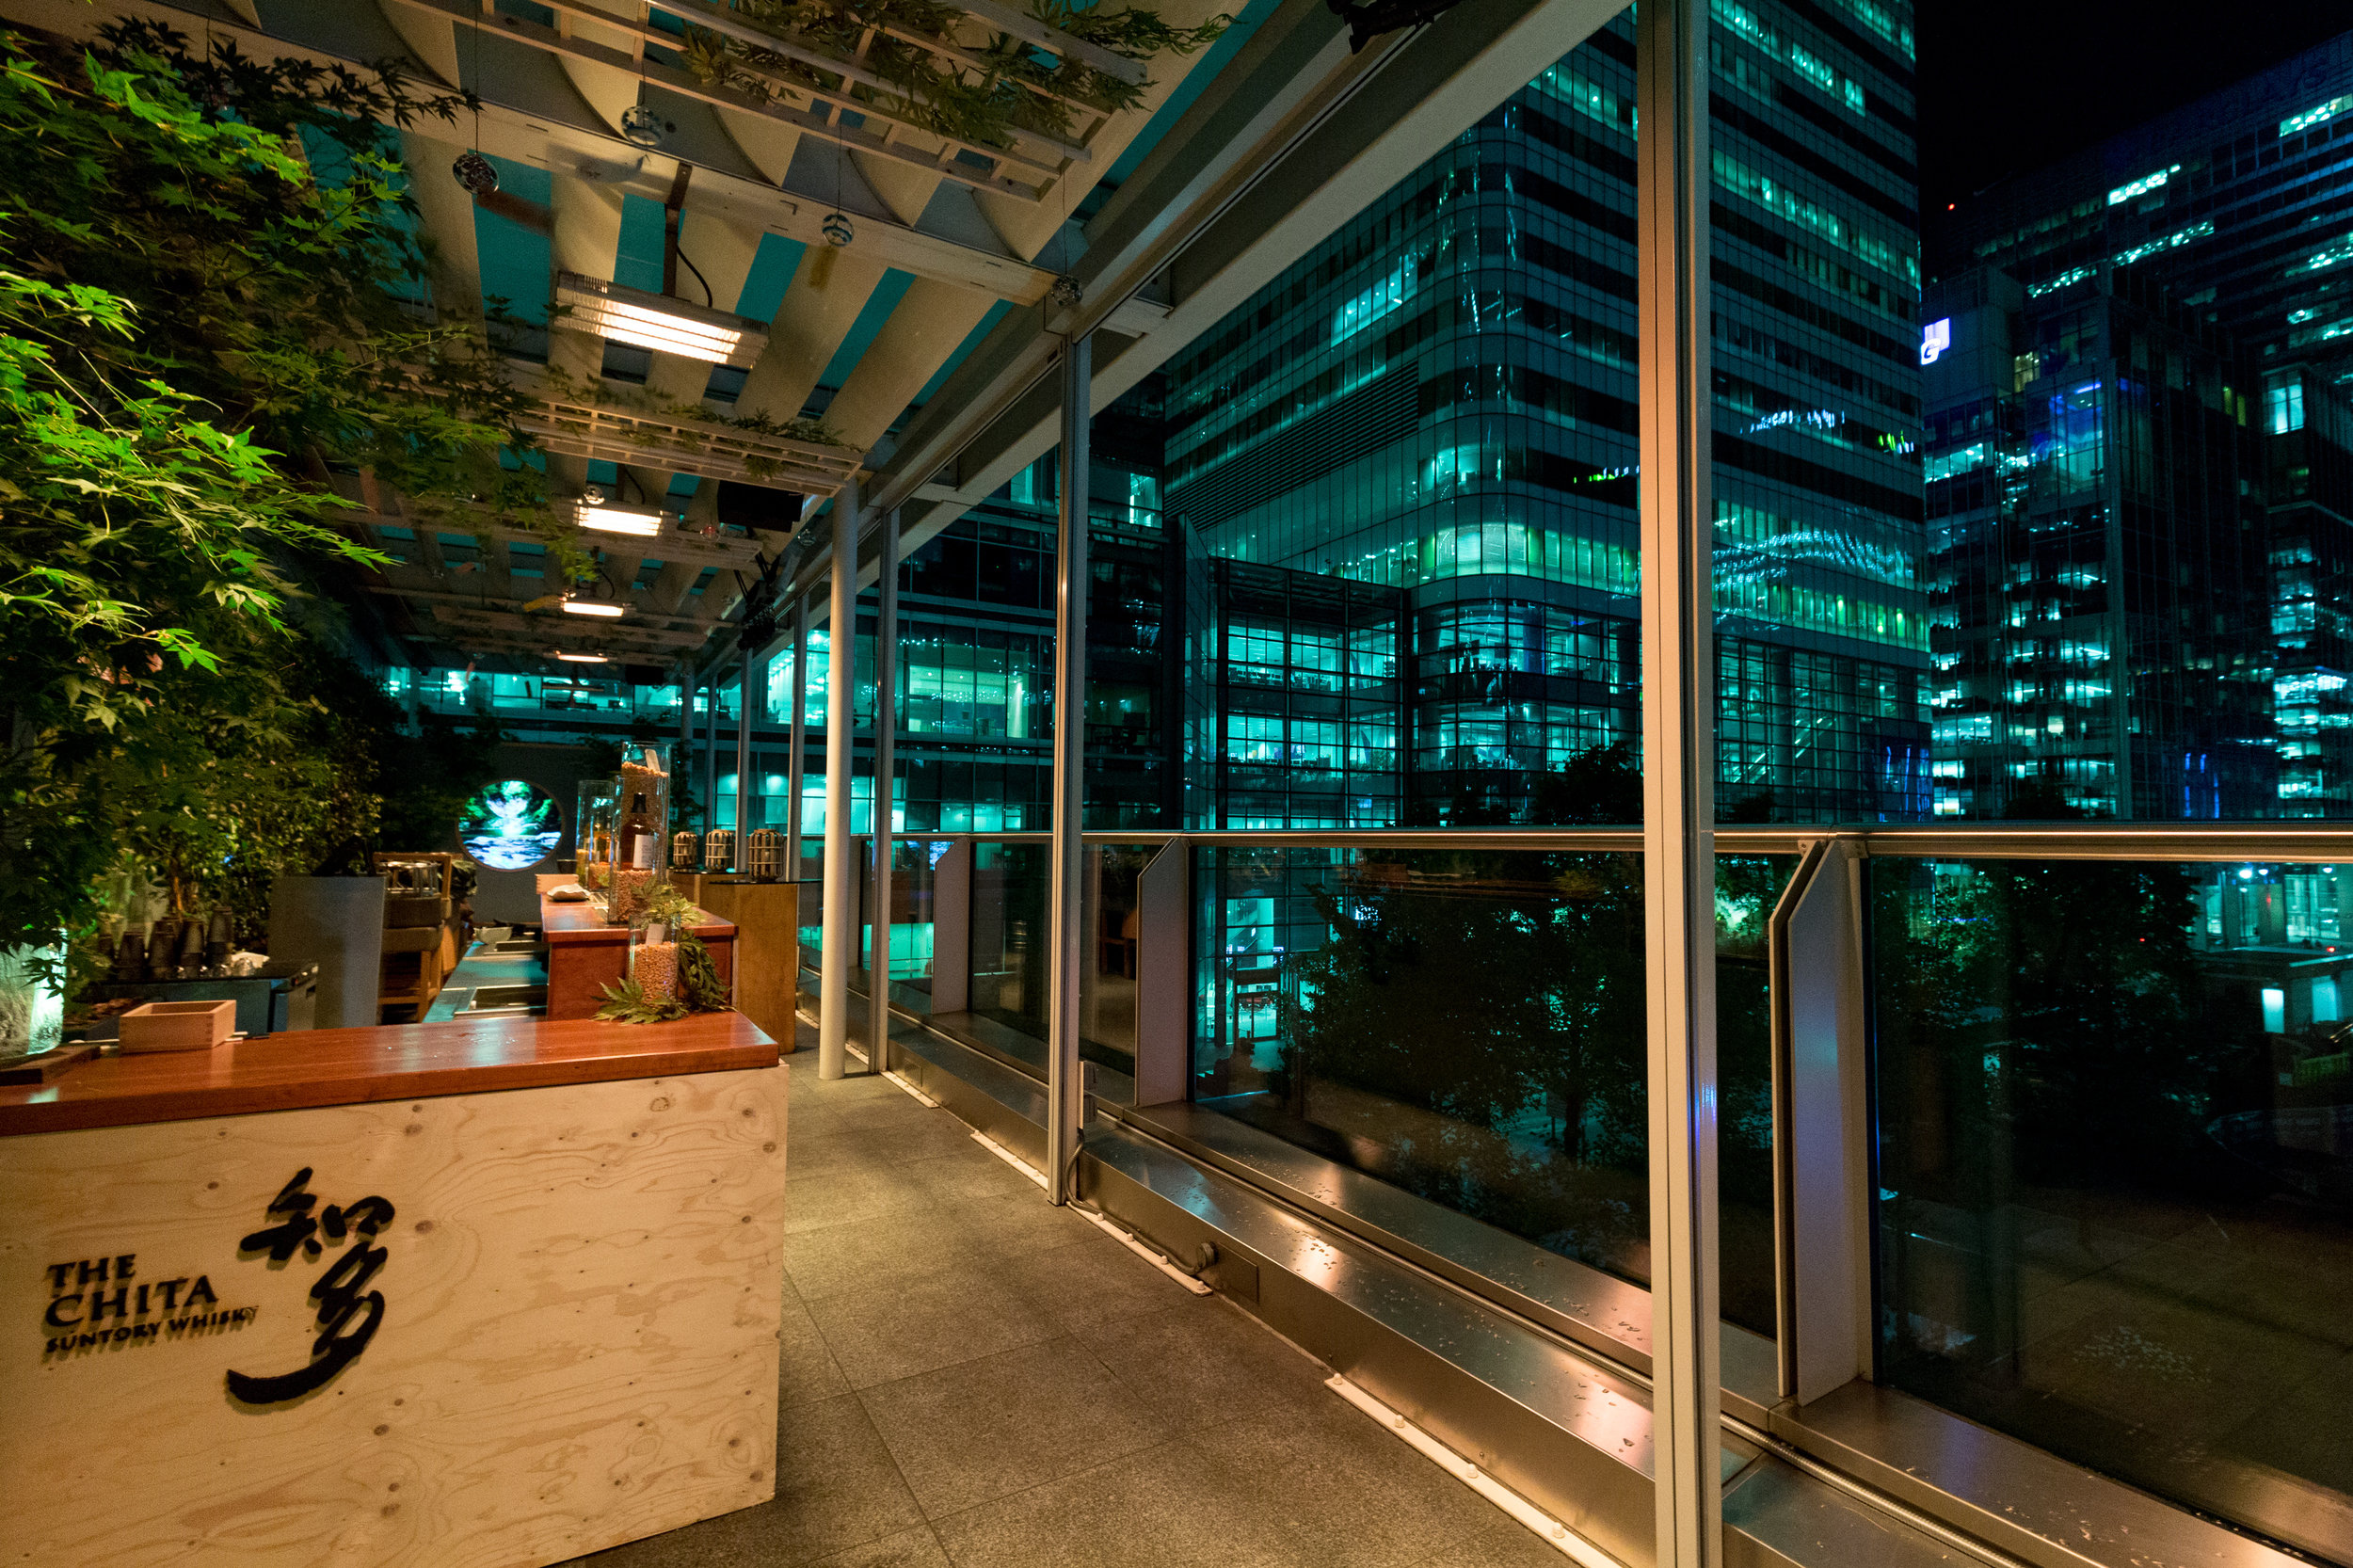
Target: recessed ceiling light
{"x":592,"y":607}
{"x":617,"y":519}
{"x":658,"y":322}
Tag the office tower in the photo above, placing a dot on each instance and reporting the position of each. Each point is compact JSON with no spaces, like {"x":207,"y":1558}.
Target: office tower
{"x":2097,"y":559}
{"x":2242,"y":202}
{"x":2308,"y":477}
{"x":1439,"y":401}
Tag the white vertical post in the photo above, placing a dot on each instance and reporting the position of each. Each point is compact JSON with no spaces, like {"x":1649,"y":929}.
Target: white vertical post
{"x":1822,"y":1156}
{"x":743,"y":702}
{"x":710,"y":757}
{"x":842,"y":872}
{"x":798,"y":758}
{"x":1065,"y":1089}
{"x":1678,"y":771}
{"x":886,"y":767}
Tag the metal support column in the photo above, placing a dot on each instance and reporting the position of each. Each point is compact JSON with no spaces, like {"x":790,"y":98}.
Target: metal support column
{"x":797,"y":763}
{"x":744,"y":757}
{"x":841,"y":877}
{"x":1678,"y":773}
{"x":1065,"y":1088}
{"x":710,"y":692}
{"x":885,"y":768}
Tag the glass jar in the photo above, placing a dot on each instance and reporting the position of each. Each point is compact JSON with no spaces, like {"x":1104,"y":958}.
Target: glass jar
{"x":642,"y":821}
{"x":592,"y":827}
{"x":641,"y":826}
{"x":653,"y":959}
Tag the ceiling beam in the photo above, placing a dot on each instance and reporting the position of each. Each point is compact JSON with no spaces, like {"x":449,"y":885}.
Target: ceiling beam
{"x":567,"y":143}
{"x":1290,"y":141}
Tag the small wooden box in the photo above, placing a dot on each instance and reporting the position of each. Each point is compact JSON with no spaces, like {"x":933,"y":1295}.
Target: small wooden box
{"x":179,"y":1025}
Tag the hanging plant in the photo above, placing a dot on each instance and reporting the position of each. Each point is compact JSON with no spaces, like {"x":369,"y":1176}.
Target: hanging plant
{"x":901,"y":59}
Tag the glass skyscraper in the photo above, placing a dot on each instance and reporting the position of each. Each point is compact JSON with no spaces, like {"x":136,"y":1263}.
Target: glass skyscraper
{"x":2097,"y":571}
{"x":1439,"y":401}
{"x":2242,"y":202}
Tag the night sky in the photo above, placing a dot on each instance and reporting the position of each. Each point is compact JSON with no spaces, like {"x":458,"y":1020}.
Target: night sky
{"x":2007,"y":86}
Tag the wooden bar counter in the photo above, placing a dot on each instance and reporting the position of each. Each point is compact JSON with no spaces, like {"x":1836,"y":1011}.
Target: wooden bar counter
{"x":483,"y":1294}
{"x":584,"y":954}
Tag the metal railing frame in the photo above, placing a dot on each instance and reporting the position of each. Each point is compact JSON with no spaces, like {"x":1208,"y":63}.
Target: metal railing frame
{"x":1816,"y":961}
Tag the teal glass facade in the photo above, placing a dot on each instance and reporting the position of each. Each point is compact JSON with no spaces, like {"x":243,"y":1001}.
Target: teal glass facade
{"x":1440,"y":401}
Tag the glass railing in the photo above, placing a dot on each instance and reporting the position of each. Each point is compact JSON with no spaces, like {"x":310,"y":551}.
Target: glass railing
{"x":2107,"y":1120}
{"x":912,"y":926}
{"x":2115,"y":1113}
{"x":1470,"y":1025}
{"x":1010,"y":978}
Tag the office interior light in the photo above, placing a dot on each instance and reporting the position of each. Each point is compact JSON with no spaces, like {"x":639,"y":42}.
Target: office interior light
{"x":592,"y":607}
{"x":658,"y":322}
{"x":616,"y":520}
{"x":581,"y":658}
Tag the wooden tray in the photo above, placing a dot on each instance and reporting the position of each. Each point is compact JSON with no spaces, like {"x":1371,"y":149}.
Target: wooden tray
{"x":179,"y":1025}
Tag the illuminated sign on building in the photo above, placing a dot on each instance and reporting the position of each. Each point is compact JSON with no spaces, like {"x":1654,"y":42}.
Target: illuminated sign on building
{"x":1934,"y":338}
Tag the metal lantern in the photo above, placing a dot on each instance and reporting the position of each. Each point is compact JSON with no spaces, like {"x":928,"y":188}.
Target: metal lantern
{"x":767,"y":855}
{"x":719,"y":849}
{"x":835,"y":229}
{"x":475,"y":172}
{"x":685,"y":846}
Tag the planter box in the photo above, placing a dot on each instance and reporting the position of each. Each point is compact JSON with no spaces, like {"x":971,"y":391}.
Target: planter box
{"x":179,"y":1025}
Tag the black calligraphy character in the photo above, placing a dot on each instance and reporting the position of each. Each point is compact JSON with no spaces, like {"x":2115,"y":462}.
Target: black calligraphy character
{"x":297,"y":1229}
{"x":338,"y":1294}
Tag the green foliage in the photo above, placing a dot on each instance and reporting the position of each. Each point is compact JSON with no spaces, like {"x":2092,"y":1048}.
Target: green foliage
{"x":986,"y":104}
{"x":206,"y":313}
{"x":698,"y":977}
{"x":627,"y":1003}
{"x":700,"y":990}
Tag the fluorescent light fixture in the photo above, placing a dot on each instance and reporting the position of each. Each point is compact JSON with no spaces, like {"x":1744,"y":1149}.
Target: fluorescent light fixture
{"x":581,"y":658}
{"x":617,"y":519}
{"x":592,"y":607}
{"x":658,"y":322}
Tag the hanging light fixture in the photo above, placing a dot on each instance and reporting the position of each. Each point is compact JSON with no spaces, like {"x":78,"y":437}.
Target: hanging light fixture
{"x":593,"y":607}
{"x":476,"y":173}
{"x":592,"y":514}
{"x":837,"y":229}
{"x":658,"y":322}
{"x":642,"y":127}
{"x":580,"y":658}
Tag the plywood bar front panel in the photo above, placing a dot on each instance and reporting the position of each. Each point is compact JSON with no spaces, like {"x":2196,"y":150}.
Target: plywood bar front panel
{"x":491,"y":1330}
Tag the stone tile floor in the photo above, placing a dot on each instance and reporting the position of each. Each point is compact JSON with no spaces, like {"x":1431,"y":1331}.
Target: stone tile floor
{"x":972,"y":1378}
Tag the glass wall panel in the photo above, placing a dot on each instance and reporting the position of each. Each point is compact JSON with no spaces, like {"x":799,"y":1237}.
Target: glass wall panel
{"x":1010,"y":982}
{"x":2115,"y":1107}
{"x":1107,"y":974}
{"x":911,"y":863}
{"x":1470,"y":1025}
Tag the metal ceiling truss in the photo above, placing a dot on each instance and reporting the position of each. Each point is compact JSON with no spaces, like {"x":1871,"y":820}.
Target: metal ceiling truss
{"x":689,"y":446}
{"x":1293,"y":138}
{"x":822,"y":120}
{"x":547,"y":631}
{"x":723,"y":552}
{"x":570,"y":141}
{"x":818,"y":111}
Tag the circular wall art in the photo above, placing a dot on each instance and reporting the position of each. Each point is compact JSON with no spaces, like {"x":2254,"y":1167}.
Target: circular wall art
{"x":509,"y":825}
